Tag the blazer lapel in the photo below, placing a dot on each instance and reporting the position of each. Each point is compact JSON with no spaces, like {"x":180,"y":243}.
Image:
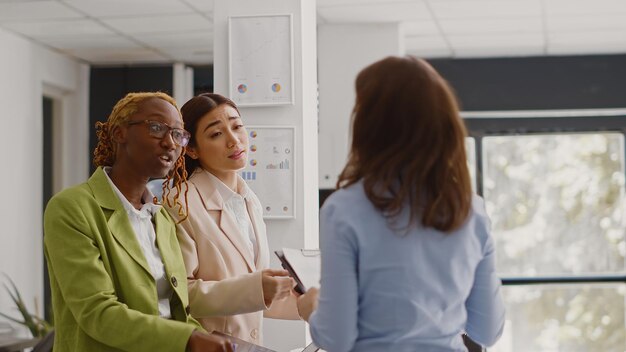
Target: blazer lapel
{"x":119,"y":224}
{"x":162,"y":227}
{"x":229,"y":226}
{"x":213,"y":202}
{"x":122,"y":230}
{"x":165,"y":233}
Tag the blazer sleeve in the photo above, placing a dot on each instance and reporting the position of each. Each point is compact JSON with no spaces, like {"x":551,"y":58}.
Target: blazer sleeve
{"x":333,"y":325}
{"x":72,"y":246}
{"x":208,"y":298}
{"x":283,"y":309}
{"x":485,"y":306}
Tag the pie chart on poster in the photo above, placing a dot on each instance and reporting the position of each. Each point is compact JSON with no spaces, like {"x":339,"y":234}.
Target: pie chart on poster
{"x":242,"y":88}
{"x":276,"y":87}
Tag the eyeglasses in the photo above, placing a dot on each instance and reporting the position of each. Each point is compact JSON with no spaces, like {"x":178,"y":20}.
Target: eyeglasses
{"x":159,"y":130}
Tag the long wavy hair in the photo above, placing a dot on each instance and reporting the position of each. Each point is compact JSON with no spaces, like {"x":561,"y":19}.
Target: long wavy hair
{"x":194,"y":110}
{"x":408,"y":144}
{"x":104,"y":154}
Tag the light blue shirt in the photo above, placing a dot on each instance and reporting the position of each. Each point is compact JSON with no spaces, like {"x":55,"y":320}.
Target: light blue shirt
{"x":407,"y":291}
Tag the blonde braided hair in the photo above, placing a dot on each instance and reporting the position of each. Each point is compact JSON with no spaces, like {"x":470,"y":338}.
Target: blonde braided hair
{"x":104,"y":153}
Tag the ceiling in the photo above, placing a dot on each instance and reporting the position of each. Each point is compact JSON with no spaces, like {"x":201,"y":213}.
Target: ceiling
{"x":156,"y":31}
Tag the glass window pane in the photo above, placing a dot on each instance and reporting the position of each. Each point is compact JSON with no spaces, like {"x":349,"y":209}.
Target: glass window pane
{"x":556,"y":203}
{"x":470,"y":150}
{"x":572,"y":318}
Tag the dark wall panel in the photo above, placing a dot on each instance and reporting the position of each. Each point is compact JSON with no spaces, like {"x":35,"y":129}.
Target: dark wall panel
{"x":202,"y":79}
{"x":535,"y":83}
{"x":110,"y":84}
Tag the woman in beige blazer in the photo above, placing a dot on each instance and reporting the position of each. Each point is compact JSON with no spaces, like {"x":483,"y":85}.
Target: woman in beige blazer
{"x":223,"y":238}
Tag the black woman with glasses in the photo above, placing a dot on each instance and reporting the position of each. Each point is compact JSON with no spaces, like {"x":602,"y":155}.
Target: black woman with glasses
{"x":117,"y":275}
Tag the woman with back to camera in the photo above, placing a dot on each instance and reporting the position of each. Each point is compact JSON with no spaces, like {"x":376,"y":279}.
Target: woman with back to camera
{"x":407,"y":257}
{"x":223,"y":240}
{"x":116,"y":272}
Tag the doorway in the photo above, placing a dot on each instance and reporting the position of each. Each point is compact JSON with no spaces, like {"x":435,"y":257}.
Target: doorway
{"x":48,"y":185}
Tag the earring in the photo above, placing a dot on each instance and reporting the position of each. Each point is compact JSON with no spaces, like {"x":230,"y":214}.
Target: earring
{"x":192,"y":154}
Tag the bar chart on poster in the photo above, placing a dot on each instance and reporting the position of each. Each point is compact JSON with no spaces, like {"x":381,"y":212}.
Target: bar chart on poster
{"x":270,"y":169}
{"x":260,"y":60}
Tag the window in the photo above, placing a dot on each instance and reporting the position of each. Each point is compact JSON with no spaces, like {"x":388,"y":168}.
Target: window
{"x":470,"y":148}
{"x":554,"y":190}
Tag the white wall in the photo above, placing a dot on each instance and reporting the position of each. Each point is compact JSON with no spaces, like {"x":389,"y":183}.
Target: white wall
{"x":27,"y":71}
{"x":301,"y":232}
{"x":343,"y":50}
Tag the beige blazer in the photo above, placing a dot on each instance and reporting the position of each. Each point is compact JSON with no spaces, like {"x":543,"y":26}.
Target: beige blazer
{"x":225,"y":291}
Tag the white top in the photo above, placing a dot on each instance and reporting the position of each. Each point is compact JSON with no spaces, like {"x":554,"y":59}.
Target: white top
{"x":235,"y":205}
{"x":141,"y":221}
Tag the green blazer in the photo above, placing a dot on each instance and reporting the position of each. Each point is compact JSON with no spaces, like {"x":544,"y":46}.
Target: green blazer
{"x":103,"y":295}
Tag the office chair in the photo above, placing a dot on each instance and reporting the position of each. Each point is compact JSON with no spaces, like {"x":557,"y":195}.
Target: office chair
{"x":45,"y":344}
{"x":471,"y":345}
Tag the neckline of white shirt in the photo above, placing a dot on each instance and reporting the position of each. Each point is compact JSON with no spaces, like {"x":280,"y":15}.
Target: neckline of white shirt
{"x":147,"y":209}
{"x":226,"y":192}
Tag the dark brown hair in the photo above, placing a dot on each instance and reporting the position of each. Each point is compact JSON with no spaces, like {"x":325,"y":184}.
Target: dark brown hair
{"x":408,"y":144}
{"x":193,"y":110}
{"x":104,"y":154}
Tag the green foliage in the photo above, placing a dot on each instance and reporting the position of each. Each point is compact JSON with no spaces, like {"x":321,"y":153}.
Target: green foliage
{"x":37,"y":326}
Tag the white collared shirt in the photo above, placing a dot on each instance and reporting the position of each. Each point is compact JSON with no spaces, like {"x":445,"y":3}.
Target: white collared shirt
{"x":141,"y":221}
{"x":235,"y":205}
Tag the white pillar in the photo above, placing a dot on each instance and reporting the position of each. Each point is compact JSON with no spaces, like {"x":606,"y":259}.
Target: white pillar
{"x":183,"y":83}
{"x":302,"y":231}
{"x":343,"y":51}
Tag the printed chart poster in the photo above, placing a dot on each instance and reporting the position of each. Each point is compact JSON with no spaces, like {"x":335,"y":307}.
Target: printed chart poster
{"x":270,"y":170}
{"x":260,"y":60}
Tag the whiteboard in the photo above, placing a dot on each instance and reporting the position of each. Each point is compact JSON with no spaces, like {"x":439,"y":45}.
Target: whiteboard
{"x":270,"y":170}
{"x":260,"y":60}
